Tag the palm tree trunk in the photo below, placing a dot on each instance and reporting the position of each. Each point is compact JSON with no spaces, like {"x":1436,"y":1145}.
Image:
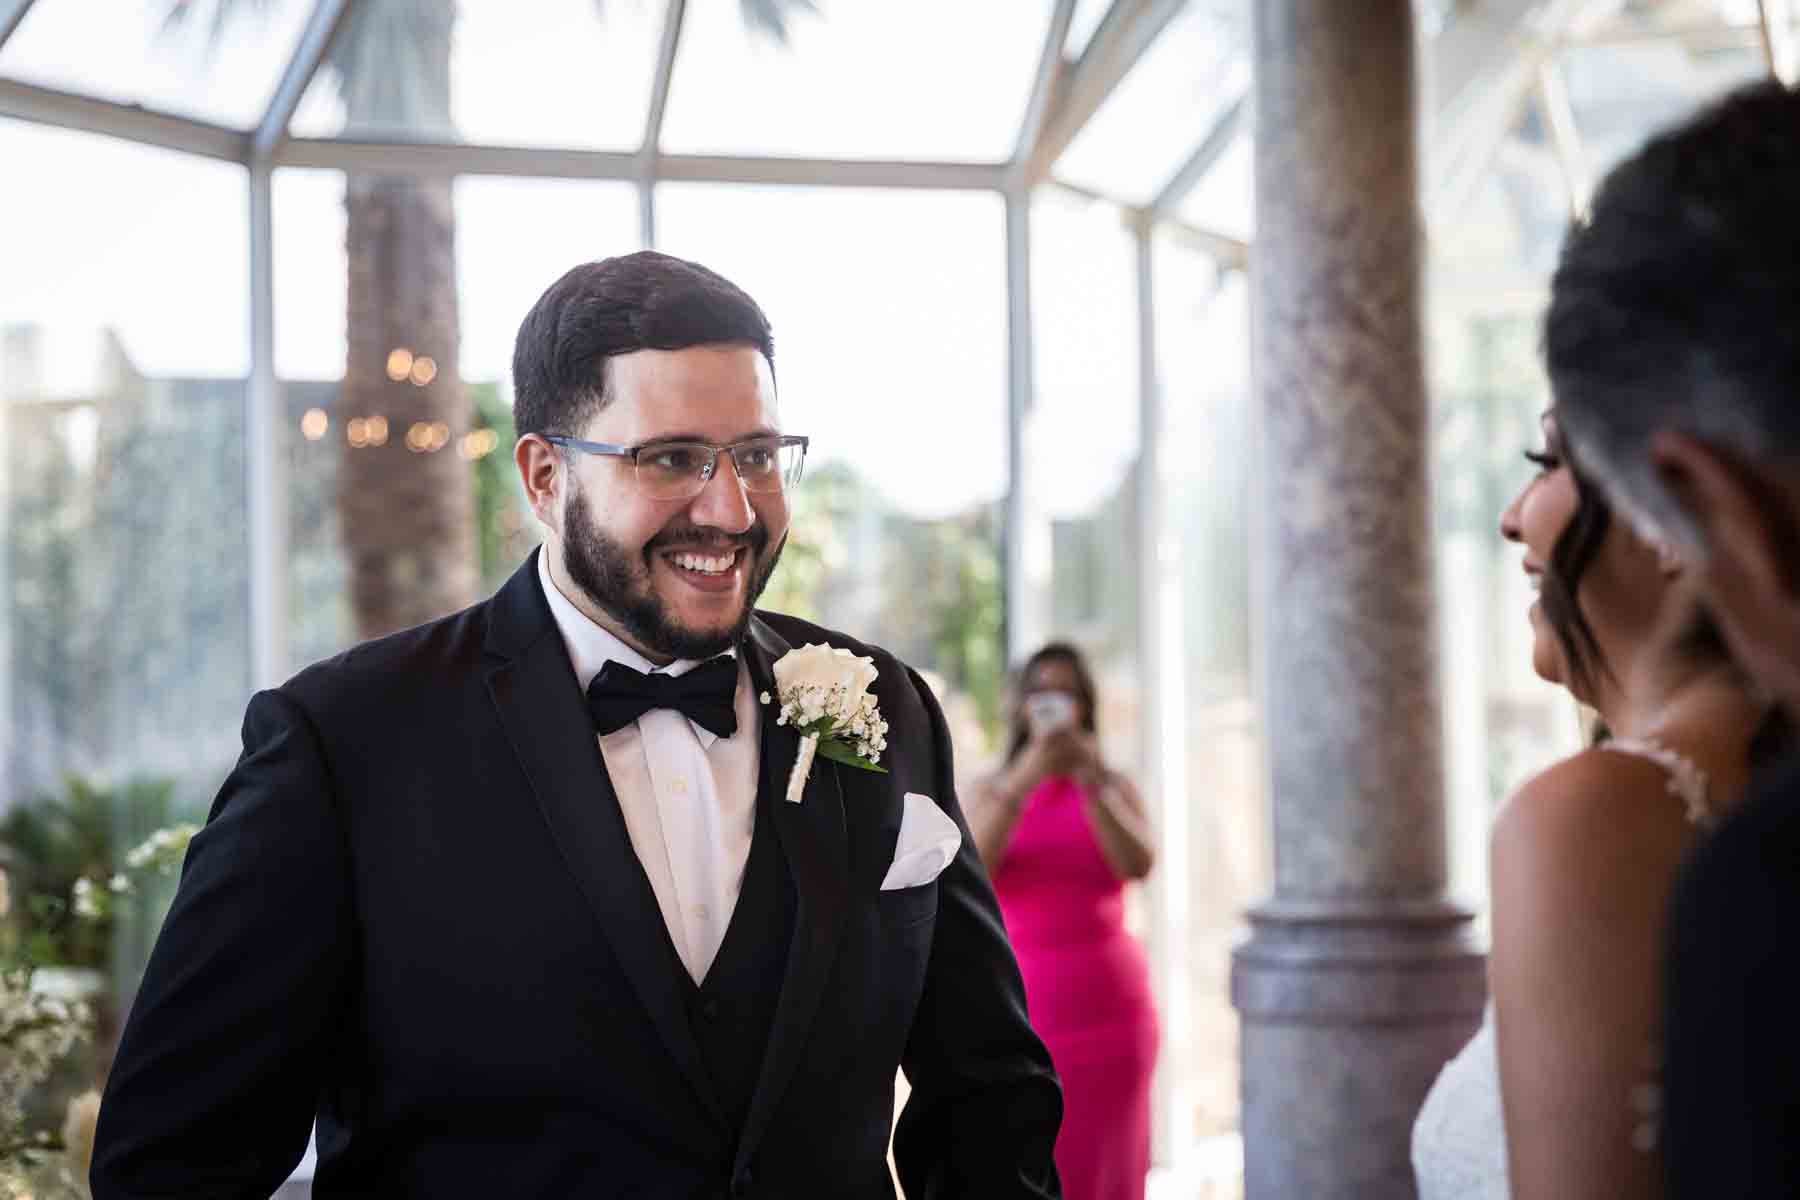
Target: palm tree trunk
{"x":406,"y":502}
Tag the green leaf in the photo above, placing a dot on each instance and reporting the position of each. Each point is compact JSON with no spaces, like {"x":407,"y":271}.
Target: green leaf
{"x":840,"y":753}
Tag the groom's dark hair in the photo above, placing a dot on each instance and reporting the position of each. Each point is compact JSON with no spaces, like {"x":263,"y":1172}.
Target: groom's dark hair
{"x":1676,"y":305}
{"x":642,"y":301}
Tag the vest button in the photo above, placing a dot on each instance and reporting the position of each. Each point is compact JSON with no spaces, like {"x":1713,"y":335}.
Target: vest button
{"x":709,"y":1008}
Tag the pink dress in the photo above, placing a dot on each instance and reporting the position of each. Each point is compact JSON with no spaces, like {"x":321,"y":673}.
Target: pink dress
{"x":1087,"y":985}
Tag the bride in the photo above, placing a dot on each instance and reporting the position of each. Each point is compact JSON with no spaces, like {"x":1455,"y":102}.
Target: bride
{"x":1558,"y":1091}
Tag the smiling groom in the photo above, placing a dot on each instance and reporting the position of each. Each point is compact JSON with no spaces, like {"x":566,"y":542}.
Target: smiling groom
{"x":558,"y":896}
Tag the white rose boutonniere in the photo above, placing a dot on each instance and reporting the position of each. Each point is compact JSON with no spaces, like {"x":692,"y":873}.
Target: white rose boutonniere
{"x":824,"y":694}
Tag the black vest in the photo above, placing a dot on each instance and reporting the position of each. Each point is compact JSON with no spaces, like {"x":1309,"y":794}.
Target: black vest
{"x":732,"y":1011}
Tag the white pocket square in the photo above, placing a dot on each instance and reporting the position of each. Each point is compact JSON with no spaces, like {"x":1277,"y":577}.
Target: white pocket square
{"x":929,"y":839}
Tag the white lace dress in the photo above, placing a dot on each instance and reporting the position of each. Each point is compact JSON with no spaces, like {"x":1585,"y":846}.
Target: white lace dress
{"x":1459,"y":1138}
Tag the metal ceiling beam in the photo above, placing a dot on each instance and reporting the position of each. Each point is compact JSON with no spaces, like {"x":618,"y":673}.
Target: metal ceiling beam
{"x":453,"y":158}
{"x":659,"y":95}
{"x":1778,"y":40}
{"x":1045,"y":86}
{"x":456,"y":158}
{"x":1486,"y":65}
{"x":1228,"y":250}
{"x":650,"y":147}
{"x":66,"y":110}
{"x":11,"y":13}
{"x":1217,"y":141}
{"x":1565,"y":138}
{"x":1124,"y":33}
{"x":328,"y":17}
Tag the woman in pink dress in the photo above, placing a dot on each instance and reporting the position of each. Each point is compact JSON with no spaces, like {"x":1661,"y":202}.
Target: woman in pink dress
{"x":1061,"y":834}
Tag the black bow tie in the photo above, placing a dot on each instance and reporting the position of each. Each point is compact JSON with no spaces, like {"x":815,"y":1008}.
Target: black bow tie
{"x":705,"y":695}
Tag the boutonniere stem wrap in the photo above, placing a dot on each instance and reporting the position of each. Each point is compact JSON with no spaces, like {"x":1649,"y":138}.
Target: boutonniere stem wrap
{"x":824,"y":695}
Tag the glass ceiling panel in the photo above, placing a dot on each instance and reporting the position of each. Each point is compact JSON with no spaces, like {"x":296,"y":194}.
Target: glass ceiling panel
{"x":1503,"y":238}
{"x":928,"y":79}
{"x":1224,"y":201}
{"x":1684,"y":16}
{"x":1624,"y":92}
{"x":221,"y":64}
{"x":564,"y":73}
{"x":1162,"y":111}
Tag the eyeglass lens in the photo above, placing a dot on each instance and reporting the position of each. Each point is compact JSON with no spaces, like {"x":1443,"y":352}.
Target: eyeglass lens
{"x":676,"y":470}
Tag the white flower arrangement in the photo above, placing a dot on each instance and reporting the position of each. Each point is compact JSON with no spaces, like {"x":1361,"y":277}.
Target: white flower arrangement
{"x":36,"y":1031}
{"x":161,"y":852}
{"x":824,"y":694}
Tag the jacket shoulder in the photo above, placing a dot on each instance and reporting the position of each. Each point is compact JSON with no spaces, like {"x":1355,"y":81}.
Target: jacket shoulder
{"x":423,"y":658}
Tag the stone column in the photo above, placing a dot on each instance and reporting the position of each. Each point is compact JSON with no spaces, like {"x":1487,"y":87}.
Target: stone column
{"x":1359,"y":978}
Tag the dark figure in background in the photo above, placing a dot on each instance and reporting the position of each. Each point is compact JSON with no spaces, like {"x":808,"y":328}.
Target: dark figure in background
{"x":517,"y":903}
{"x":1062,"y":832}
{"x":1673,"y":344}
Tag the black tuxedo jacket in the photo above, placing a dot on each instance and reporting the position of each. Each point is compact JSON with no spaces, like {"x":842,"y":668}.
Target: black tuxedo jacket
{"x":415,"y":914}
{"x":1732,"y":1031}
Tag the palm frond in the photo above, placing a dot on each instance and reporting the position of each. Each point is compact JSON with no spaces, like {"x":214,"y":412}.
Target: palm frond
{"x":770,"y":17}
{"x":217,"y":14}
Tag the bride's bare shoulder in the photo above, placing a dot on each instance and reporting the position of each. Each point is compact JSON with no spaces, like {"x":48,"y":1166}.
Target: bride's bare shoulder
{"x":1597,"y":811}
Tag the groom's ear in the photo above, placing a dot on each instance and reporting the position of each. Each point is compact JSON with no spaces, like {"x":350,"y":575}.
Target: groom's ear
{"x":542,"y":471}
{"x":1748,"y":562}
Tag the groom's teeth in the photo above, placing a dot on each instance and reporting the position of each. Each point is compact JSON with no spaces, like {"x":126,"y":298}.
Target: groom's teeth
{"x":705,"y":564}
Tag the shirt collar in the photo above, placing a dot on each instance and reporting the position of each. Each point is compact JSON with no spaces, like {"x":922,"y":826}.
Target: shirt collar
{"x":591,"y":647}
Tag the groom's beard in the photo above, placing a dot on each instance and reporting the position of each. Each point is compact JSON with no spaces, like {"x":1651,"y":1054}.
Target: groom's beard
{"x":620,"y":585}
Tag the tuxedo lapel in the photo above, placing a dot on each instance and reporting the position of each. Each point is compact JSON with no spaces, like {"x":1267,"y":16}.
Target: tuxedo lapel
{"x":545,"y":717}
{"x":815,"y":841}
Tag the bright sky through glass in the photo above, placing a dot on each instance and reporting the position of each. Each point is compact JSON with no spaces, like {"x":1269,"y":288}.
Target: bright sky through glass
{"x":889,"y":311}
{"x":120,"y":50}
{"x":924,"y":79}
{"x":545,"y":73}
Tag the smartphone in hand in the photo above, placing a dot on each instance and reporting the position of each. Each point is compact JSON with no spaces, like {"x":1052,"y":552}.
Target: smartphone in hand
{"x":1046,"y":712}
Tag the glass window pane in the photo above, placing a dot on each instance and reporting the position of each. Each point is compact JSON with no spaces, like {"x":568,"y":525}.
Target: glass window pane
{"x":1163,"y":109}
{"x":224,"y":72}
{"x":567,"y":73}
{"x":1083,"y":430}
{"x":1082,"y":441}
{"x":1649,"y":17}
{"x":1203,"y":360}
{"x":514,"y":237}
{"x":929,"y":79}
{"x":124,"y":590}
{"x":1489,"y":271}
{"x":1622,"y":93}
{"x":1224,"y":201}
{"x":889,"y":313}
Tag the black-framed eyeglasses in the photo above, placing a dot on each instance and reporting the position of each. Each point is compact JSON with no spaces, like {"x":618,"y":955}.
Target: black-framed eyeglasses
{"x":680,"y":470}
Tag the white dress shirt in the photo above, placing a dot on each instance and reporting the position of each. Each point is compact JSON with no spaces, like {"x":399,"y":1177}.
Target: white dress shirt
{"x":688,"y":796}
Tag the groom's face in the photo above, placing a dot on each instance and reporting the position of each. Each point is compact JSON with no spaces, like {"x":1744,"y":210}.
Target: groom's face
{"x":675,"y":578}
